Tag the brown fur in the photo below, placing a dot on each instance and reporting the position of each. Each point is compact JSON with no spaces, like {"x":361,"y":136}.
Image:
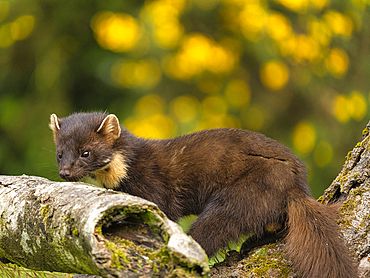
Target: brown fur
{"x":311,"y":231}
{"x":238,"y":182}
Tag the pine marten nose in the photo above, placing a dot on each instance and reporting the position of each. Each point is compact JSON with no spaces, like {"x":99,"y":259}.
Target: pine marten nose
{"x":64,"y":174}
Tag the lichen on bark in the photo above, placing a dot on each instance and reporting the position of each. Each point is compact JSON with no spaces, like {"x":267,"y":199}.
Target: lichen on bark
{"x":77,"y":228}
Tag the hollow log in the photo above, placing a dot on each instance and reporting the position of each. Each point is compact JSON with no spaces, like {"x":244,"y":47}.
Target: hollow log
{"x":79,"y":228}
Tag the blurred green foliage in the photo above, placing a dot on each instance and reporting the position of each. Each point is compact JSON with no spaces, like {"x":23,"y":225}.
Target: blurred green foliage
{"x":295,"y":70}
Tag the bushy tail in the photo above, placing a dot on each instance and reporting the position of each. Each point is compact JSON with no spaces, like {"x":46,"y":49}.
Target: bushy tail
{"x":313,"y":242}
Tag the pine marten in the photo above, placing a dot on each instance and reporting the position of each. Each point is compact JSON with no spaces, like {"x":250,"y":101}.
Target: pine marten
{"x":239,"y":182}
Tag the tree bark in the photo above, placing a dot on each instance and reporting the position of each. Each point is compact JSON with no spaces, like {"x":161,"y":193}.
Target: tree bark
{"x":77,"y":228}
{"x":352,"y":187}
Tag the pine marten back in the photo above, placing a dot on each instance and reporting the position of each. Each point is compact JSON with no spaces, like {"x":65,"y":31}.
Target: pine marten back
{"x":238,"y":182}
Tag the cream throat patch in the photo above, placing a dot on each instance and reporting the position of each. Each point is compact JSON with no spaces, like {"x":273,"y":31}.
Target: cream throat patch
{"x":110,"y":175}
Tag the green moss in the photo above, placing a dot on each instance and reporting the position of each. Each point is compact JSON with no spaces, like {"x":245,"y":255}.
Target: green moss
{"x":359,"y":144}
{"x":365,"y":131}
{"x":358,"y":191}
{"x":53,"y":242}
{"x":325,"y":199}
{"x":119,"y":257}
{"x":262,"y":252}
{"x":364,"y":224}
{"x":152,"y":257}
{"x":67,"y":217}
{"x":265,"y":260}
{"x":45,"y":210}
{"x":349,"y":154}
{"x":342,"y":181}
{"x":98,"y":230}
{"x":131,"y":257}
{"x":349,"y":206}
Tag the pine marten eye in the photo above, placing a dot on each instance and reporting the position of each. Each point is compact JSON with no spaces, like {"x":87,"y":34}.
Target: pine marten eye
{"x":59,"y":155}
{"x":85,"y":154}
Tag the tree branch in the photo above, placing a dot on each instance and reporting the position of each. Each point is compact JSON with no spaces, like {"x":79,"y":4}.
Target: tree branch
{"x":77,"y":228}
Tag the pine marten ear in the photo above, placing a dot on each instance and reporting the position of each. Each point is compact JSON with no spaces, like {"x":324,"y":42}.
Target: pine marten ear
{"x":54,"y":124}
{"x":110,"y":127}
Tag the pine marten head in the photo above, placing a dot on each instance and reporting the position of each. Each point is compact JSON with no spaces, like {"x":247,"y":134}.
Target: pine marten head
{"x":86,"y":145}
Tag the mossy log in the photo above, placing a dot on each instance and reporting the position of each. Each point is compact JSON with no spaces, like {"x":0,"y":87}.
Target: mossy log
{"x":78,"y":228}
{"x":352,"y":188}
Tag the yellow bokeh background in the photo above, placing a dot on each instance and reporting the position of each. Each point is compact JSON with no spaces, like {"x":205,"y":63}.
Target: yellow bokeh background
{"x":118,"y":32}
{"x":294,"y":70}
{"x":304,"y":137}
{"x":274,"y":75}
{"x":17,"y":30}
{"x":295,"y":54}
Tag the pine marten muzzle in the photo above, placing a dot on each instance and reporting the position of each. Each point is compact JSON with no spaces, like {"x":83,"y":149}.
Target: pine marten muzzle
{"x":238,"y":182}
